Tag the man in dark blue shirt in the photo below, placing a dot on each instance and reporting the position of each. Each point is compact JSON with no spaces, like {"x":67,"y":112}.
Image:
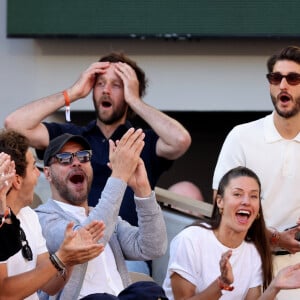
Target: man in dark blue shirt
{"x":118,"y":85}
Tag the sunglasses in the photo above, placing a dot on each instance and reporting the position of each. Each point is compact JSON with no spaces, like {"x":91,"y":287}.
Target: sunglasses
{"x":276,"y":78}
{"x":26,"y":250}
{"x":66,"y":158}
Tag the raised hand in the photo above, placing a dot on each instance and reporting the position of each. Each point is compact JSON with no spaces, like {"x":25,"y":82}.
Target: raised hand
{"x":7,"y":173}
{"x":86,"y":81}
{"x":287,"y":278}
{"x":139,"y":181}
{"x":287,"y":240}
{"x":124,"y":155}
{"x":95,"y":229}
{"x":130,"y":82}
{"x":82,"y":245}
{"x":226,"y":269}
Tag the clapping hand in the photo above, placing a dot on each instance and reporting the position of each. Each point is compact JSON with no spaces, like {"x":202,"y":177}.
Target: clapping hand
{"x":288,"y":278}
{"x":7,"y":173}
{"x":80,"y":246}
{"x":226,"y":276}
{"x":124,"y":154}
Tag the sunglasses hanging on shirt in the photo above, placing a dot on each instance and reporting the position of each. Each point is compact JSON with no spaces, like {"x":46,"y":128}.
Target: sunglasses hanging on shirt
{"x":26,"y":250}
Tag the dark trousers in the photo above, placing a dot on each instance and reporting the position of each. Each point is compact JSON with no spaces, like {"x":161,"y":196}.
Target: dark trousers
{"x":141,"y":290}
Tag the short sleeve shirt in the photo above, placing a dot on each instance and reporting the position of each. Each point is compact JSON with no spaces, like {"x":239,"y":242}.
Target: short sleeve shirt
{"x":17,"y":264}
{"x":258,"y":146}
{"x":195,"y":254}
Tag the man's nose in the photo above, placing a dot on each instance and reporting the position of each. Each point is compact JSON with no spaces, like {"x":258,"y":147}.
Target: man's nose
{"x":283,"y":84}
{"x":106,"y":88}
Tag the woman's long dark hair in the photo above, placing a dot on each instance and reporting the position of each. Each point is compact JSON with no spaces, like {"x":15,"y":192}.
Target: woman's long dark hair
{"x":257,"y":233}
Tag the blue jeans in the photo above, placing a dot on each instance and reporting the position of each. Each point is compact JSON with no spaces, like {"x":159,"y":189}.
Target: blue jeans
{"x":138,"y":266}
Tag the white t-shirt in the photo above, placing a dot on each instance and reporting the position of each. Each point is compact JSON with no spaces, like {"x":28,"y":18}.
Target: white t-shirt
{"x":195,"y":254}
{"x":17,"y":264}
{"x":258,"y":146}
{"x":101,"y":275}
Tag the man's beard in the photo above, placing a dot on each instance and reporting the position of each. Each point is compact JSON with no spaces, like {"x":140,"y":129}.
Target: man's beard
{"x":115,"y":117}
{"x":287,"y":114}
{"x":67,"y":194}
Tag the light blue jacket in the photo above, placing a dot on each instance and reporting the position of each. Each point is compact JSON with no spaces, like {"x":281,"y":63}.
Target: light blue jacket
{"x":146,"y":242}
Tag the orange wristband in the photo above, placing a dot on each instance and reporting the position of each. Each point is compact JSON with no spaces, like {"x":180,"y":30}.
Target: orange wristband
{"x":67,"y":99}
{"x":224,"y":286}
{"x":67,"y":104}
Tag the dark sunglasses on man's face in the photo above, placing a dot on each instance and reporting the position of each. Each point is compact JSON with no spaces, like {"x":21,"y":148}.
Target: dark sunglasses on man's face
{"x":26,"y":250}
{"x":276,"y":78}
{"x":66,"y":158}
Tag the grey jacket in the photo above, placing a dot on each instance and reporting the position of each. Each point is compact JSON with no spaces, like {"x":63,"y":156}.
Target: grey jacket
{"x":145,"y":242}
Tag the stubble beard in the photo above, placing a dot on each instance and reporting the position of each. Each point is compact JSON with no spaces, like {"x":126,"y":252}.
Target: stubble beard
{"x":287,"y":114}
{"x":74,"y":198}
{"x":114,"y":117}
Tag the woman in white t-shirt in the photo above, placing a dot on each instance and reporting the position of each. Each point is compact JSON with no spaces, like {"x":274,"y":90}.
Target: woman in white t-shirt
{"x":228,"y":256}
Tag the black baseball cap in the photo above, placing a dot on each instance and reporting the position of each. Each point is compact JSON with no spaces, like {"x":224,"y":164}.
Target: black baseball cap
{"x":57,"y":143}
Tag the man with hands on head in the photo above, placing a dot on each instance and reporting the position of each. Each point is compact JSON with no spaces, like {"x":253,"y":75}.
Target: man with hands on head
{"x":118,"y":85}
{"x":32,"y":268}
{"x":68,"y":169}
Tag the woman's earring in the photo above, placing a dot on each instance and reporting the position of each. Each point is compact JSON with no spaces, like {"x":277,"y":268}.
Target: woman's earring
{"x":221,"y":210}
{"x":258,"y":216}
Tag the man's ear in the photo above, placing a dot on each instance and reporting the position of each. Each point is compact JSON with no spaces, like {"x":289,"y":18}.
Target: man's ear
{"x":17,"y":182}
{"x":47,"y":173}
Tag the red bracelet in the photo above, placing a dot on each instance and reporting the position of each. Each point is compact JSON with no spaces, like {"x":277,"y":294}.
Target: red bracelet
{"x":224,"y":286}
{"x":67,"y":104}
{"x":275,"y":237}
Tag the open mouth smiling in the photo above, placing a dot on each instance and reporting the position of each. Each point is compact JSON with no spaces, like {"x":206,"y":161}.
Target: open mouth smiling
{"x":243,"y":216}
{"x":77,"y":178}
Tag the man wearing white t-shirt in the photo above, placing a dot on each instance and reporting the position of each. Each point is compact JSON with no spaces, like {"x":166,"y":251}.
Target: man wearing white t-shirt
{"x":271,"y":148}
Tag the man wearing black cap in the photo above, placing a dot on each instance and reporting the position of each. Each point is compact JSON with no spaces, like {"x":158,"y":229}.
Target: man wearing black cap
{"x":69,"y":172}
{"x":30,"y":267}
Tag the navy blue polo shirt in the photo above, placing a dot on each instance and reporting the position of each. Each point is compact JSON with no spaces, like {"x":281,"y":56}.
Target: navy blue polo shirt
{"x":155,"y":165}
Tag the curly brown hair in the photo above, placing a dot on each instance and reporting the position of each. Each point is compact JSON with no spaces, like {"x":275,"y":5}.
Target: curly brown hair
{"x":115,"y":57}
{"x":16,"y":145}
